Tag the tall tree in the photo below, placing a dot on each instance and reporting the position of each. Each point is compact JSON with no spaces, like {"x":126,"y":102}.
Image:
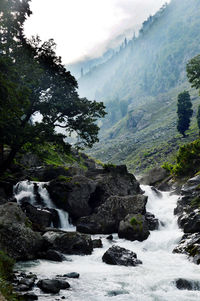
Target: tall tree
{"x":184,"y":112}
{"x":33,"y":80}
{"x":193,"y":72}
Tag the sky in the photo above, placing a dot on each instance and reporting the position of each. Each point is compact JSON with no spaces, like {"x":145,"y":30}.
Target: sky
{"x":87,"y":28}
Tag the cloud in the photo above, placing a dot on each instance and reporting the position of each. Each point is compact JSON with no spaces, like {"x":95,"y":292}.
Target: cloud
{"x":87,"y":27}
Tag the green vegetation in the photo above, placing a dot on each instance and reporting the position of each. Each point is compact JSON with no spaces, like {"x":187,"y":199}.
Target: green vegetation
{"x":33,"y":80}
{"x":196,"y":202}
{"x":136,"y":222}
{"x":64,"y":179}
{"x":6,"y":271}
{"x":187,"y":160}
{"x":184,"y":112}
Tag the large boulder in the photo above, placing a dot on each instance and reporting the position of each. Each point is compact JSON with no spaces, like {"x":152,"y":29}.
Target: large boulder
{"x":192,"y":222}
{"x":17,"y":238}
{"x":42,"y":217}
{"x":154,"y":176}
{"x":73,"y":194}
{"x":69,"y":242}
{"x":134,"y":227}
{"x":110,"y":213}
{"x":52,"y":286}
{"x":120,"y":256}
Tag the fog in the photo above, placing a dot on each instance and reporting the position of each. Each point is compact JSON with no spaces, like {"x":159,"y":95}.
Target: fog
{"x":87,"y":28}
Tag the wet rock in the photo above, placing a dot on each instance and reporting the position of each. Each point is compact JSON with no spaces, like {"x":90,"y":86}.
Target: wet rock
{"x":117,"y":293}
{"x":69,"y":242}
{"x":52,"y":255}
{"x":120,"y":256}
{"x":73,"y":194}
{"x":191,"y":186}
{"x":192,"y":222}
{"x":109,"y":214}
{"x":29,"y":296}
{"x":134,"y":227}
{"x":17,"y":238}
{"x":97,"y":243}
{"x":190,"y":245}
{"x":109,"y":237}
{"x":153,"y":223}
{"x":52,"y":285}
{"x":72,"y":275}
{"x":43,"y":217}
{"x":184,"y":284}
{"x":156,"y":191}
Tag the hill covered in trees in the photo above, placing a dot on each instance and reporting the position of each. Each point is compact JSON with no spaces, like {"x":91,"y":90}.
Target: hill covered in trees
{"x":139,"y":85}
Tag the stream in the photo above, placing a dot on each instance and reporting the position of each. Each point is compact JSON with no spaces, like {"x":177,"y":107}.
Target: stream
{"x":154,"y":280}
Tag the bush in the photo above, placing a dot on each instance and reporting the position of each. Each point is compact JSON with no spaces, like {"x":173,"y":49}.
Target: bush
{"x":187,"y":160}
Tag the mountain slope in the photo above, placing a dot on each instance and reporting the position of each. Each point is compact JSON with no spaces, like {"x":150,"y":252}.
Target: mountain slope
{"x":140,"y":85}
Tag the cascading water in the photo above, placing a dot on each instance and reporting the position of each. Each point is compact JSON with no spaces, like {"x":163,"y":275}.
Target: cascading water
{"x":37,"y":195}
{"x":154,"y":280}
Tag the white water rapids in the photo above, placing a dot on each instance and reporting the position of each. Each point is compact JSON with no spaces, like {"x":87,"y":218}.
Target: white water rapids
{"x":151,"y":281}
{"x":25,"y":190}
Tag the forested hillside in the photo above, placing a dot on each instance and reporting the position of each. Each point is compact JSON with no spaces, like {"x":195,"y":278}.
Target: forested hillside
{"x":140,"y":84}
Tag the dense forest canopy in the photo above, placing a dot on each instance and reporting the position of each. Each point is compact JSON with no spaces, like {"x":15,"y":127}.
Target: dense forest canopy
{"x":33,"y":80}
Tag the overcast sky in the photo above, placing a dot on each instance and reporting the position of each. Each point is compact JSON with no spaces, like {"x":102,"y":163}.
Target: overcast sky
{"x":86,"y":28}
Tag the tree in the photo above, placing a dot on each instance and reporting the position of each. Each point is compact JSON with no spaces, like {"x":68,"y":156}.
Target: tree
{"x":33,"y":80}
{"x":193,"y":71}
{"x":184,"y":112}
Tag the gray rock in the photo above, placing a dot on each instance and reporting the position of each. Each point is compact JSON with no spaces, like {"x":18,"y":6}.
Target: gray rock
{"x":191,"y":223}
{"x":109,"y":214}
{"x":134,"y":227}
{"x":52,"y":255}
{"x":153,"y":176}
{"x":17,"y":238}
{"x":69,"y":242}
{"x":42,"y":217}
{"x":153,"y":223}
{"x":184,"y":284}
{"x":190,"y":245}
{"x":72,"y":275}
{"x":52,"y":285}
{"x":97,"y":243}
{"x":120,"y":256}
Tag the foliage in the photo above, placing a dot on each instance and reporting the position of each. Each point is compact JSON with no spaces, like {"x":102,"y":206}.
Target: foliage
{"x":6,"y":266}
{"x":6,"y":271}
{"x":196,"y":202}
{"x":34,"y":81}
{"x":193,"y":71}
{"x":64,"y":178}
{"x":184,"y":112}
{"x":187,"y":160}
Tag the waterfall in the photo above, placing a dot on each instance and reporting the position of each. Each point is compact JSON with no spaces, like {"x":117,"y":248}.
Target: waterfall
{"x":154,"y":280}
{"x":37,"y":195}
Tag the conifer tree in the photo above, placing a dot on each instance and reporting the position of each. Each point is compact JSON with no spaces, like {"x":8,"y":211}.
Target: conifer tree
{"x":184,"y":112}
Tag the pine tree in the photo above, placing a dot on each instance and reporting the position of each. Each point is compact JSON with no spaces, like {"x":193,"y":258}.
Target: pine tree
{"x":184,"y":112}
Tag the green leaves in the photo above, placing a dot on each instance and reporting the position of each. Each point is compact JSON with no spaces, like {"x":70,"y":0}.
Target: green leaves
{"x":184,"y":112}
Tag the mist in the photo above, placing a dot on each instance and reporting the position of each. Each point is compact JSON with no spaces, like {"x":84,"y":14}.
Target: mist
{"x":87,"y":28}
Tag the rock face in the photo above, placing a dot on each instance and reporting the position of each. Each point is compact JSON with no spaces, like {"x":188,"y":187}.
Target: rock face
{"x":188,"y":212}
{"x":190,"y":245}
{"x":134,"y":227}
{"x":154,"y":176}
{"x":109,"y":214}
{"x":17,"y":238}
{"x":37,"y":215}
{"x":120,"y":256}
{"x":69,"y":242}
{"x":81,"y":194}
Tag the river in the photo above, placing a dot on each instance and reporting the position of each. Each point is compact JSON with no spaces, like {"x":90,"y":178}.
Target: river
{"x":154,"y":280}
